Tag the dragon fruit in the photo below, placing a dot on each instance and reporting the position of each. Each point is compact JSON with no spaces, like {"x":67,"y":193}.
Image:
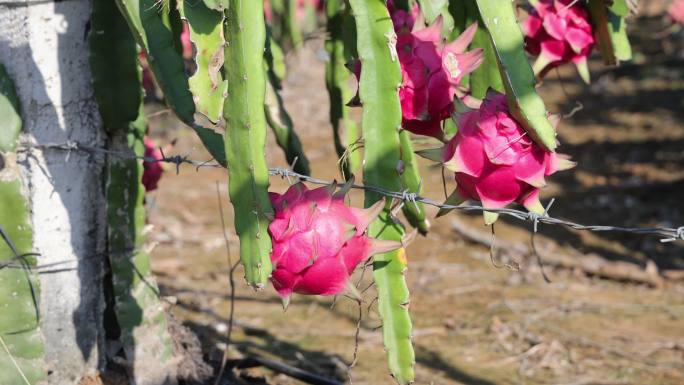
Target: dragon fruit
{"x":559,"y":32}
{"x":676,"y":12}
{"x":403,"y":21}
{"x":186,"y":44}
{"x":431,"y":74}
{"x":318,"y":241}
{"x":152,"y":169}
{"x":495,"y":162}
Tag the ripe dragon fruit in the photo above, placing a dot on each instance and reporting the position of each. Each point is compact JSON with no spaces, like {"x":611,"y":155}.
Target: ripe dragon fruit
{"x":676,"y":12}
{"x":318,"y":241}
{"x":152,"y":170}
{"x":495,"y":162}
{"x":559,"y":32}
{"x":431,"y":74}
{"x":403,"y":21}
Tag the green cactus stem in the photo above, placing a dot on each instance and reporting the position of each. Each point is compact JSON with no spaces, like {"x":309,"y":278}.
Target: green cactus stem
{"x":381,"y":122}
{"x":116,"y":82}
{"x":339,"y":46}
{"x":218,"y":5}
{"x":206,"y":33}
{"x":434,"y":8}
{"x":411,"y":182}
{"x":152,"y":31}
{"x":277,"y":116}
{"x":507,"y":39}
{"x":487,"y":75}
{"x":294,"y":29}
{"x":21,"y":347}
{"x":610,"y":30}
{"x":10,"y":126}
{"x":245,"y":137}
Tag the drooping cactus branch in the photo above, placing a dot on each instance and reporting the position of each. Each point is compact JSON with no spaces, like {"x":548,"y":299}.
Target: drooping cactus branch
{"x":487,"y":75}
{"x":152,"y":31}
{"x":380,"y":79}
{"x":340,"y":46}
{"x":518,"y":79}
{"x":277,"y":116}
{"x":411,"y":182}
{"x":206,"y":32}
{"x":245,"y":137}
{"x":610,"y":30}
{"x":118,"y":91}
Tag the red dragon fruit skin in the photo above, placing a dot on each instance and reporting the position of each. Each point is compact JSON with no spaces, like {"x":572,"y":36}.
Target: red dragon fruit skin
{"x":318,"y":241}
{"x":559,"y":32}
{"x":676,"y":12}
{"x":403,"y":21}
{"x":152,"y":170}
{"x":495,"y":162}
{"x":431,"y":74}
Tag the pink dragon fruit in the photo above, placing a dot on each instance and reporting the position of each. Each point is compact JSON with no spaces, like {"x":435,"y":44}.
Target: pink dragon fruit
{"x":559,"y":32}
{"x":495,"y":162}
{"x":152,"y":170}
{"x":268,"y":11}
{"x":318,"y":241}
{"x":185,"y":42}
{"x":676,"y":12}
{"x":403,"y":21}
{"x":430,"y":74}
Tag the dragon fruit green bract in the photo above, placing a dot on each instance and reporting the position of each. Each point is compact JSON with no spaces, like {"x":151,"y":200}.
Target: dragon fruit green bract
{"x":431,"y":75}
{"x":495,"y":162}
{"x":559,"y":32}
{"x":318,"y":241}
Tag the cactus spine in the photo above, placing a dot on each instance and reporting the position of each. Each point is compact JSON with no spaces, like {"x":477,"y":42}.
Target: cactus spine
{"x":245,"y":136}
{"x":381,"y":122}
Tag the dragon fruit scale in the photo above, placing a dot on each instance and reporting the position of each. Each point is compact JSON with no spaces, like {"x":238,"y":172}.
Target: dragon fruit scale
{"x":559,"y":32}
{"x":318,"y":241}
{"x":495,"y":162}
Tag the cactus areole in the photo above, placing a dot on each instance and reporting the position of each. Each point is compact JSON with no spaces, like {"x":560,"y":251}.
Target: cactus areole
{"x":495,"y":162}
{"x":318,"y":241}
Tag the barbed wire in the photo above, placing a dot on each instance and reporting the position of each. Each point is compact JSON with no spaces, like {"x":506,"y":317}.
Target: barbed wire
{"x":666,"y":234}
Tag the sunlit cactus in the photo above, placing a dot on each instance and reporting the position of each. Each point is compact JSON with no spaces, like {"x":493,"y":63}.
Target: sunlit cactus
{"x":456,"y":74}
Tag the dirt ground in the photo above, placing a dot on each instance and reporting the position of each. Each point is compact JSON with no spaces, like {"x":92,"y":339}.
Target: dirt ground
{"x":474,"y":322}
